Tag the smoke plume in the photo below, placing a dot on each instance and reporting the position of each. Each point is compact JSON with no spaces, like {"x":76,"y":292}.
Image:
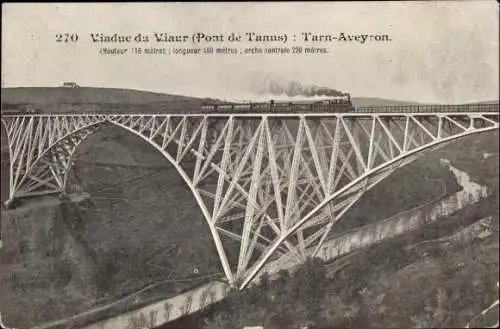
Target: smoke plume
{"x":275,"y":86}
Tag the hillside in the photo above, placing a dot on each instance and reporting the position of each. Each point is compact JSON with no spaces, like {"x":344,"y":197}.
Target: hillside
{"x":50,"y":95}
{"x":61,"y":99}
{"x":374,"y":101}
{"x":89,"y":99}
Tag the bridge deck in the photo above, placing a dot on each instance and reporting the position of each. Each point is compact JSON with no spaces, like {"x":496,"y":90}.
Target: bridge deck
{"x":276,"y":115}
{"x":405,"y":110}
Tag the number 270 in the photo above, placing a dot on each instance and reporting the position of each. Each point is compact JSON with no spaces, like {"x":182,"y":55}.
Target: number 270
{"x":66,"y":37}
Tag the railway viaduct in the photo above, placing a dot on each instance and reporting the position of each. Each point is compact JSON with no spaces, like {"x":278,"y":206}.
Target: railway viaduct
{"x":275,"y":182}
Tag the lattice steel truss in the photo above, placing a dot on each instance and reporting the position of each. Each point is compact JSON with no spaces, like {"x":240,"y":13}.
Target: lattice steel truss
{"x":40,"y":149}
{"x":271,"y":185}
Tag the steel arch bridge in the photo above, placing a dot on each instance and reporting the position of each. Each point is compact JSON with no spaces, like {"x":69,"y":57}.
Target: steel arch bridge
{"x":274,"y":183}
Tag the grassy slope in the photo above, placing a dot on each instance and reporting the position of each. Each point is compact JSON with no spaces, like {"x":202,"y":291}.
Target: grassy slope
{"x":46,"y":95}
{"x":90,"y":99}
{"x":39,"y":260}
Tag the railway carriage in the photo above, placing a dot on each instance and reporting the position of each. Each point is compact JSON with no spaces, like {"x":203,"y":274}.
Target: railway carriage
{"x":333,"y":104}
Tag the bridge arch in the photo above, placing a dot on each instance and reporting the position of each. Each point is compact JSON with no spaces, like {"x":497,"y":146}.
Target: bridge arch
{"x":361,"y":182}
{"x":65,"y":140}
{"x":289,"y":185}
{"x":40,"y":152}
{"x":201,"y":204}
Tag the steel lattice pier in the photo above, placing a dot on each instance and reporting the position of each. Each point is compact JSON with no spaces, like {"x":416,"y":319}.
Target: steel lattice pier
{"x":275,"y":184}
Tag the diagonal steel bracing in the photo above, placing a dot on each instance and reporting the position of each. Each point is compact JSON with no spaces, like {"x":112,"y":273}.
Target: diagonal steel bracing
{"x":40,"y":151}
{"x":271,"y":186}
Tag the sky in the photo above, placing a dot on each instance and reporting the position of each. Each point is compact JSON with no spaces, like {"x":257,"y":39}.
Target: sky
{"x":440,"y":52}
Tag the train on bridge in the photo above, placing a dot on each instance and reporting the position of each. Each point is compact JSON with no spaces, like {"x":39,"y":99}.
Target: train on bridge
{"x":341,"y":104}
{"x":338,"y":104}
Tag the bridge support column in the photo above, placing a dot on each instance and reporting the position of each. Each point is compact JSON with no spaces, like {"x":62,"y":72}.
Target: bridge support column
{"x":8,"y":204}
{"x":273,"y":184}
{"x":40,"y":151}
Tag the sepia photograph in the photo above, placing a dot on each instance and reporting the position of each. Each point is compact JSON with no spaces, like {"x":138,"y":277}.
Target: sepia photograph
{"x":250,"y":165}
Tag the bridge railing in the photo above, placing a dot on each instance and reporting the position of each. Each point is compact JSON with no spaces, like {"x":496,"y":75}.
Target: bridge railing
{"x":299,"y":108}
{"x":429,"y":108}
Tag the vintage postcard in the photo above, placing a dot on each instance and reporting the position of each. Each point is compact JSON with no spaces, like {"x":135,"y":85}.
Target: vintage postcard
{"x":249,"y":165}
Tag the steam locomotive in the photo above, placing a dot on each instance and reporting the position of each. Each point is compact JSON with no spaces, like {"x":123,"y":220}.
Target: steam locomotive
{"x":334,"y":104}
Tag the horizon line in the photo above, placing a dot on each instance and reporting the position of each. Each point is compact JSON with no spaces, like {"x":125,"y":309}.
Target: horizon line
{"x":241,"y":100}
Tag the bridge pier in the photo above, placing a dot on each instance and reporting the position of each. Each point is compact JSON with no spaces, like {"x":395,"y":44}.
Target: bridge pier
{"x":13,"y":202}
{"x":275,"y":183}
{"x":9,"y":204}
{"x":64,"y":197}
